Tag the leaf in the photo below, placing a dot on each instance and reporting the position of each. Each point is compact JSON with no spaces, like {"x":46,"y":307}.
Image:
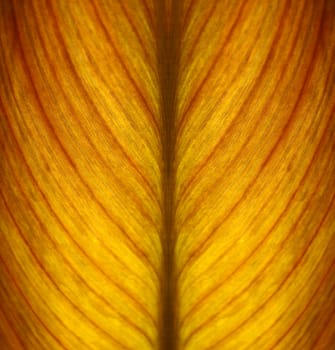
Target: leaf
{"x":255,"y":176}
{"x":167,"y":174}
{"x":81,"y":184}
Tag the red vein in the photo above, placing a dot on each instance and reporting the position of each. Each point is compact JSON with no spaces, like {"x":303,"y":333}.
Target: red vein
{"x":88,"y":98}
{"x":126,"y":70}
{"x":133,"y":246}
{"x":294,"y":267}
{"x":187,"y":16}
{"x":37,"y":186}
{"x":267,"y":236}
{"x":210,"y":70}
{"x":220,"y":286}
{"x":120,"y":183}
{"x":201,"y":30}
{"x":135,"y":31}
{"x":202,"y":247}
{"x":261,"y":77}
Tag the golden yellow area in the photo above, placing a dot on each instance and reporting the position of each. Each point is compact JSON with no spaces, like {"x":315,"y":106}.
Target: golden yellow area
{"x":84,"y":184}
{"x":255,"y":175}
{"x":81,"y":175}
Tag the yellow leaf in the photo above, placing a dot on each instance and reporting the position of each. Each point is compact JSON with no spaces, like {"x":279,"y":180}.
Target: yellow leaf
{"x":81,"y":180}
{"x":255,"y":178}
{"x":167,"y":174}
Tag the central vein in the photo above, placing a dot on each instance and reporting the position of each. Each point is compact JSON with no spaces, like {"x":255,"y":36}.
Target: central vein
{"x":168,"y":60}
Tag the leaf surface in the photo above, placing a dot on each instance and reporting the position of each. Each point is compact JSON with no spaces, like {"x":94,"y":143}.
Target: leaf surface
{"x":167,"y":174}
{"x":81,"y":174}
{"x":255,"y":175}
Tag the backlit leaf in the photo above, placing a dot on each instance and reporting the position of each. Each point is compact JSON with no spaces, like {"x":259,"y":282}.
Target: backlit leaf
{"x":167,"y":174}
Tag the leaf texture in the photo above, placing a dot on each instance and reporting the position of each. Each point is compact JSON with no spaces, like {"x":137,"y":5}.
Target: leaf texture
{"x":255,"y":169}
{"x":167,"y":174}
{"x":81,"y":186}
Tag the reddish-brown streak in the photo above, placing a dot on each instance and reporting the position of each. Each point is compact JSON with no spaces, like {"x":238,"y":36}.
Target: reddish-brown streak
{"x":68,"y":263}
{"x":282,"y":282}
{"x":103,"y":123}
{"x":95,"y":264}
{"x":210,"y":71}
{"x":328,"y":323}
{"x":137,"y":34}
{"x":201,"y":31}
{"x":151,"y":193}
{"x":76,"y":242}
{"x":110,"y":251}
{"x":248,"y":98}
{"x":9,"y":322}
{"x":263,"y":208}
{"x":120,"y":183}
{"x":272,"y":259}
{"x":304,"y":310}
{"x":135,"y":252}
{"x":16,"y":284}
{"x":215,"y":184}
{"x":149,"y":15}
{"x":265,"y":238}
{"x":20,"y":153}
{"x":287,"y":124}
{"x":284,"y":133}
{"x":12,"y":277}
{"x":217,"y":314}
{"x":40,"y":265}
{"x":123,"y":290}
{"x":133,"y":246}
{"x":202,"y":247}
{"x":299,"y":339}
{"x":294,"y":345}
{"x":239,"y":267}
{"x":126,"y":70}
{"x":188,"y":15}
{"x":232,"y":162}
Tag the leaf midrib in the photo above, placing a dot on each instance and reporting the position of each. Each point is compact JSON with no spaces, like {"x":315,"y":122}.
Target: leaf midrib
{"x":168,"y":56}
